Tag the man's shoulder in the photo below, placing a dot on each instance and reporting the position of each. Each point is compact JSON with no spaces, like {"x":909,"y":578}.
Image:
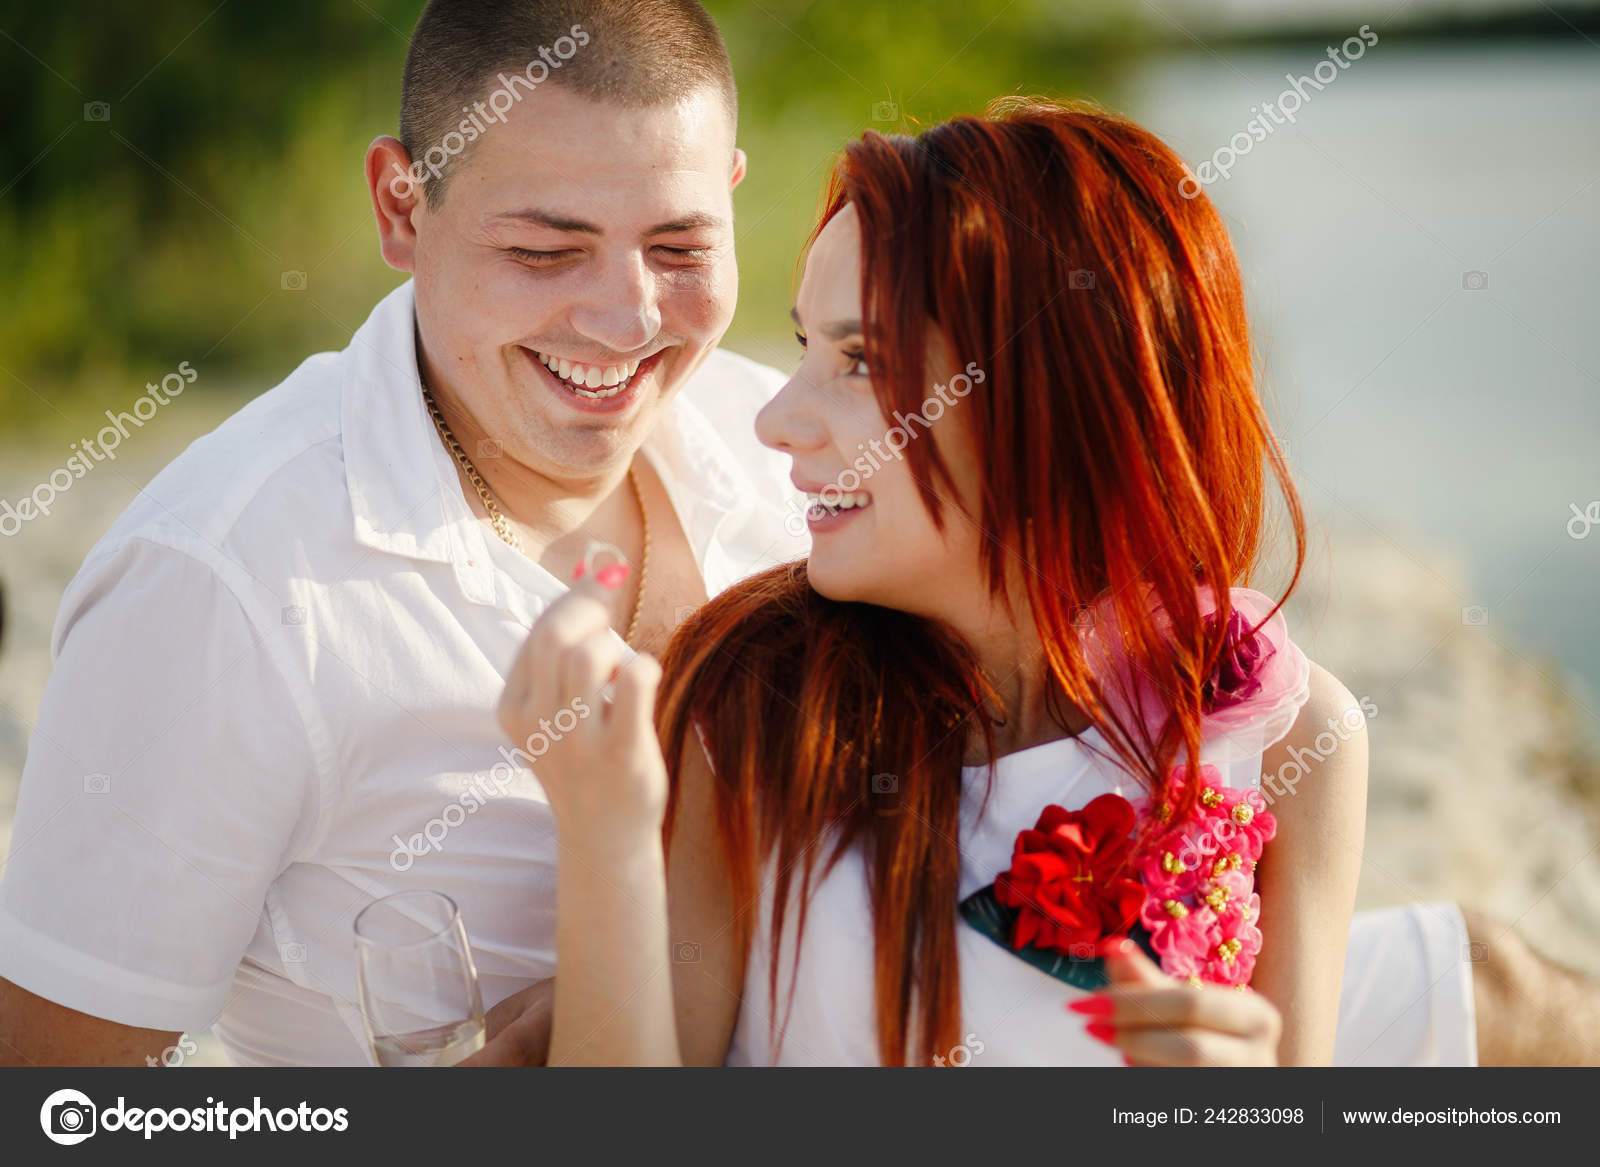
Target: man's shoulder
{"x":728,"y":375}
{"x":277,"y":456}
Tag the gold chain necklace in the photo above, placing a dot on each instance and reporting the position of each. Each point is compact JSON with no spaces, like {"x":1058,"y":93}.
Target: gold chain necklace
{"x":497,"y":518}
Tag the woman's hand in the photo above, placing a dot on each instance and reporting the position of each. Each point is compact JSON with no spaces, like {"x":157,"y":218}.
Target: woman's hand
{"x":1155,"y":1020}
{"x":599,"y":761}
{"x":600,"y":765}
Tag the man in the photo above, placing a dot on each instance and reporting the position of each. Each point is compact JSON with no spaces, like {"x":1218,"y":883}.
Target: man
{"x":275,"y":679}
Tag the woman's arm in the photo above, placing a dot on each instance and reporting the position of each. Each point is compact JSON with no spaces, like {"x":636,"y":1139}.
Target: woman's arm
{"x":606,"y":785}
{"x":1307,"y":876}
{"x":708,"y":968}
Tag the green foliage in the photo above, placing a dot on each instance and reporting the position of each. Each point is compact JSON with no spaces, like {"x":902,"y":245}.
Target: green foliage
{"x":231,"y":154}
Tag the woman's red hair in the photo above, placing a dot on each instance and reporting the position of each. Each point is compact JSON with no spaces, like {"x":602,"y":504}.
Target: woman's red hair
{"x":1125,"y":454}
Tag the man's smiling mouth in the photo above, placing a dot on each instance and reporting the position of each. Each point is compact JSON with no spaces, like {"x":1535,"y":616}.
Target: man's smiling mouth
{"x":596,"y":382}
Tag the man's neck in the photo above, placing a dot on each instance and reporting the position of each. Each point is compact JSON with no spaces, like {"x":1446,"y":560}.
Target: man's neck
{"x":543,"y":508}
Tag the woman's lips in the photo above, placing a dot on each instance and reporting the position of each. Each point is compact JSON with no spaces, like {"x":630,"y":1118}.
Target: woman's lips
{"x":829,"y":509}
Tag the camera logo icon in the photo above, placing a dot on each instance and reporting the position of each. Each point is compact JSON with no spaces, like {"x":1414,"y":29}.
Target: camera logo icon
{"x":68,"y":1117}
{"x":1475,"y":616}
{"x":686,"y":952}
{"x":97,"y":783}
{"x":885,"y":111}
{"x":1080,"y":280}
{"x":489,"y":449}
{"x":293,"y":281}
{"x":293,"y":952}
{"x":1474,"y":281}
{"x":97,"y":111}
{"x":294,"y":614}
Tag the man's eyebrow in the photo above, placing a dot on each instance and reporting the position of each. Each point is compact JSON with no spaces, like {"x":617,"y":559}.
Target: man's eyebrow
{"x":552,"y":220}
{"x":559,"y":222}
{"x":836,"y":330}
{"x":698,"y":220}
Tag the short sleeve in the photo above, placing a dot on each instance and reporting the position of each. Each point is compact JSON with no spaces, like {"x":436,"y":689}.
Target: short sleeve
{"x":1276,"y":680}
{"x":1252,"y":700}
{"x":169,"y":780}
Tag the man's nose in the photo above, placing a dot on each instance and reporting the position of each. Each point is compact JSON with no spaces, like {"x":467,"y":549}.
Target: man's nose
{"x":620,"y":308}
{"x":789,"y":422}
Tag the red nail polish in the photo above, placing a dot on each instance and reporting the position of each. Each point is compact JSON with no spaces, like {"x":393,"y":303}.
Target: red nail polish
{"x":1113,"y":946}
{"x":612,"y":576}
{"x":1100,"y":1031}
{"x":578,"y":574}
{"x":1092,"y":1006}
{"x":1126,"y":1060}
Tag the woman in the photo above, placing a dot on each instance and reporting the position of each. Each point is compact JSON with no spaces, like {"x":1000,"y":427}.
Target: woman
{"x":1026,"y":415}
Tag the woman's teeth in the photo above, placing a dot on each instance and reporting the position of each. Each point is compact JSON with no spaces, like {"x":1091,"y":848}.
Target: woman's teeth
{"x":596,"y":381}
{"x":842,"y":502}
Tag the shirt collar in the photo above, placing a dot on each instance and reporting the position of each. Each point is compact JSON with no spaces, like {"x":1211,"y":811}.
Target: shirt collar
{"x":403,"y":486}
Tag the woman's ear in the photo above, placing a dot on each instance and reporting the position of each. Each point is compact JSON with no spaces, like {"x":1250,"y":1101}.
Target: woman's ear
{"x":740,"y":162}
{"x":396,"y":197}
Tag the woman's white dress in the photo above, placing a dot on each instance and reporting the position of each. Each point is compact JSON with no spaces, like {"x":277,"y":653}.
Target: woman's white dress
{"x":1407,"y":988}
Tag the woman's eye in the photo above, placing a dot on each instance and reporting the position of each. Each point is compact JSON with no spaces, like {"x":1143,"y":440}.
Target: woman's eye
{"x":801,"y":337}
{"x":858,"y":365}
{"x":686,"y":254}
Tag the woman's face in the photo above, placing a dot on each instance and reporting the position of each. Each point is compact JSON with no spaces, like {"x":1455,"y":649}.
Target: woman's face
{"x":872,"y":538}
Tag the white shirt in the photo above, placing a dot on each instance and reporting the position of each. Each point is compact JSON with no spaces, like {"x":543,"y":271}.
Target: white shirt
{"x":278,"y":669}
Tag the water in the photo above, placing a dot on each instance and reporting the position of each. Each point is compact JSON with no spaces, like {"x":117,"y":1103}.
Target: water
{"x":1455,"y":420}
{"x":444,"y":1045}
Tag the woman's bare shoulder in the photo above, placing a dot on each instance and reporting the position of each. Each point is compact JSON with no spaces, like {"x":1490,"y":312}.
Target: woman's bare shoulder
{"x":1320,"y":768}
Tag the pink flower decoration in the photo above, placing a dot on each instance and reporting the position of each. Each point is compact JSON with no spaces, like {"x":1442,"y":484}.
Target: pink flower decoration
{"x":1236,"y":678}
{"x":1201,"y":905}
{"x":1233,"y":958}
{"x":1249,"y":702}
{"x":1183,"y":936}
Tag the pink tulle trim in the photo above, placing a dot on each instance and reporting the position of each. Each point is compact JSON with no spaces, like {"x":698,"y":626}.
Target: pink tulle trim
{"x":1254,"y":697}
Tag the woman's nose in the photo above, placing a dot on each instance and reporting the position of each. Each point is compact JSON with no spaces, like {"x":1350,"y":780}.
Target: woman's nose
{"x":789,"y":422}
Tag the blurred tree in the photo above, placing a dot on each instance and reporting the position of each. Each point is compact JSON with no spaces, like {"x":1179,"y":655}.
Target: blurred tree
{"x":182,"y":180}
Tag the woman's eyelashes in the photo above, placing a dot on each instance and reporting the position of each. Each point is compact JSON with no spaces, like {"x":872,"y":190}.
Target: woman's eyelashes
{"x":854,"y":359}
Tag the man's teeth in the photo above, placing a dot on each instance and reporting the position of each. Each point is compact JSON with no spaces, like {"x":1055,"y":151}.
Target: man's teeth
{"x":595,"y":381}
{"x":842,"y":501}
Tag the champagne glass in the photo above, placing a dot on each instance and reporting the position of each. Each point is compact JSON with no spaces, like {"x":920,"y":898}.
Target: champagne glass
{"x":419,"y":988}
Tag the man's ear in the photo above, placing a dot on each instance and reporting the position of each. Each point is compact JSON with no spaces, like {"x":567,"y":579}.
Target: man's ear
{"x":739,"y":162}
{"x":396,"y":199}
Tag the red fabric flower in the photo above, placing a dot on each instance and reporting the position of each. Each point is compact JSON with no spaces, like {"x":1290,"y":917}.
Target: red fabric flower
{"x":1070,"y":878}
